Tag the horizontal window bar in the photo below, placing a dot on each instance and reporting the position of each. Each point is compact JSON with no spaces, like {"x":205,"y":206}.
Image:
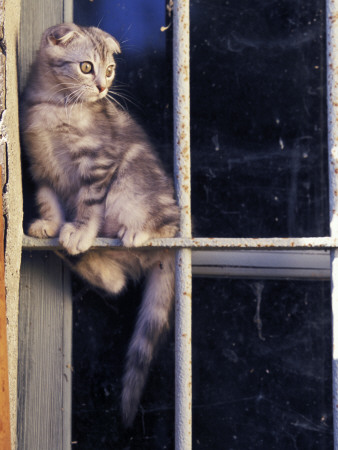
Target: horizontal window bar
{"x":326,"y":242}
{"x":275,"y":261}
{"x":273,"y":264}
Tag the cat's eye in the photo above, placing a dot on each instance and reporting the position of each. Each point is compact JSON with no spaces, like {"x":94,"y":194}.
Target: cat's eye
{"x":110,"y":70}
{"x":86,"y":67}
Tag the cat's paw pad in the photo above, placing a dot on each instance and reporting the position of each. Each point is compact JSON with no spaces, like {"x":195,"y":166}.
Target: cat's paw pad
{"x":42,"y":228}
{"x":132,"y":238}
{"x":75,"y":240}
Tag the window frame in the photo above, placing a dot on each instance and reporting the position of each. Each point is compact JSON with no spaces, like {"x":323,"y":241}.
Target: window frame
{"x":190,"y":250}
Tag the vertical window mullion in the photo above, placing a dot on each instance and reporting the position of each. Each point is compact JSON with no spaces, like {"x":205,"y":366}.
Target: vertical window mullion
{"x":183,"y":369}
{"x":332,"y":105}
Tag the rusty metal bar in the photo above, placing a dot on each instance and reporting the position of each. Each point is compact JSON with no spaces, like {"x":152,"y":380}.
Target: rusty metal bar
{"x":276,"y":262}
{"x":332,"y":105}
{"x":183,"y":373}
{"x":330,"y":242}
{"x":183,"y":364}
{"x":181,"y":90}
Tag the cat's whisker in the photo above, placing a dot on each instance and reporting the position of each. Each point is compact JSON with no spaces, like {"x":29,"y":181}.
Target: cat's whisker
{"x":69,"y":100}
{"x":121,"y":89}
{"x":54,"y":94}
{"x":122,"y":39}
{"x":63,"y":83}
{"x":73,"y":99}
{"x":110,"y":97}
{"x":120,"y":85}
{"x":71,"y":77}
{"x":125,"y":42}
{"x":125,"y":97}
{"x":57,"y":89}
{"x":121,"y":92}
{"x":98,"y":25}
{"x":78,"y":98}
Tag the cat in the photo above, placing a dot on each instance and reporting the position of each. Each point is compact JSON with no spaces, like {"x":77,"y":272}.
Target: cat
{"x":98,"y":175}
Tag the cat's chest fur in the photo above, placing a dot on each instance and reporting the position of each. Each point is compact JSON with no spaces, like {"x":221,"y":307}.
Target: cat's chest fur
{"x":75,"y":140}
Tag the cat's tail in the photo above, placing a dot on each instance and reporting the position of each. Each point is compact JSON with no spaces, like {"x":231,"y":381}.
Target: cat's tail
{"x":152,"y":321}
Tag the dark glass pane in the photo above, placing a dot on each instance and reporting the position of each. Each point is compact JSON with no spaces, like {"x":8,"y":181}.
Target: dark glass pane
{"x":102,"y":329}
{"x":261,"y":365}
{"x":258,"y":118}
{"x":261,"y":369}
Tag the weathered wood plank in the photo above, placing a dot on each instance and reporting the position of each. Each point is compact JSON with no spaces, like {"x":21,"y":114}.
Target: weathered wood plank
{"x":44,"y":374}
{"x":36,"y":16}
{"x":45,"y":315}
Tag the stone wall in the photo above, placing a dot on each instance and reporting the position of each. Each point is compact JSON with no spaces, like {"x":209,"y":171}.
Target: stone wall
{"x":12,"y":190}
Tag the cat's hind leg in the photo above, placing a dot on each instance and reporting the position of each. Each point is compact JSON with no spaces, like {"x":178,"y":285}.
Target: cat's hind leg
{"x":101,"y":270}
{"x":51,"y":214}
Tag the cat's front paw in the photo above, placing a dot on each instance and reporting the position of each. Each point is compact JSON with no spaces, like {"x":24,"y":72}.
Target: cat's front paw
{"x":132,"y":238}
{"x":74,"y":239}
{"x":42,"y":228}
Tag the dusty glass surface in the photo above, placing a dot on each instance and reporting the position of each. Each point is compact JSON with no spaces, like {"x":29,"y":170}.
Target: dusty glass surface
{"x":258,"y":98}
{"x":261,"y":365}
{"x":261,"y":369}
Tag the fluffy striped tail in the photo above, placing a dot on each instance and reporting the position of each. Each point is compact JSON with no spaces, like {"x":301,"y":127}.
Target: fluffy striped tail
{"x":152,"y":321}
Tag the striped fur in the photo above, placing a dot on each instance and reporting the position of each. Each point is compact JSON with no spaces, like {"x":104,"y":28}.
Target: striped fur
{"x":97,"y":175}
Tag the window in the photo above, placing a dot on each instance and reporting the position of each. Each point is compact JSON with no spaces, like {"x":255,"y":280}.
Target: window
{"x":261,"y":348}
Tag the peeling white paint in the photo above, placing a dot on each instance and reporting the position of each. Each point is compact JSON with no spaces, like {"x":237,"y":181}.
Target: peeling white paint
{"x":332,"y":104}
{"x":12,"y":197}
{"x":183,"y":369}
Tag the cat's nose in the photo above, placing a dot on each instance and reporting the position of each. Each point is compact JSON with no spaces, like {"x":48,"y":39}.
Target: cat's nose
{"x":100,"y":88}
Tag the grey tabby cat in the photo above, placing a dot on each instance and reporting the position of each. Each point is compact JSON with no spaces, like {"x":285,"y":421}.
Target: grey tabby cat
{"x":97,"y":175}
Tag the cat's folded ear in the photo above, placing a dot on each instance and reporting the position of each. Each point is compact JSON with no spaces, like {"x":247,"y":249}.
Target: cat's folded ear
{"x":111,"y":42}
{"x":61,"y":35}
